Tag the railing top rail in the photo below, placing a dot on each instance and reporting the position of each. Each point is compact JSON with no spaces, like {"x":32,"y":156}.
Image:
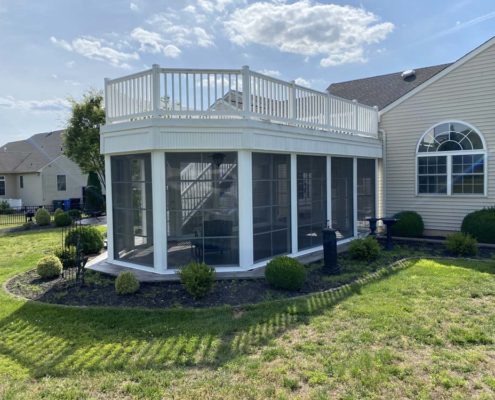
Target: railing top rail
{"x":200,"y":71}
{"x":130,"y":76}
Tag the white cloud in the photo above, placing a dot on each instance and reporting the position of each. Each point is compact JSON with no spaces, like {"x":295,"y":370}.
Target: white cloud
{"x":338,"y":34}
{"x":57,"y":104}
{"x":134,"y":7}
{"x":271,"y":72}
{"x":95,"y":49}
{"x":152,"y":42}
{"x":302,"y":82}
{"x":215,"y":5}
{"x":180,"y":34}
{"x":70,"y":64}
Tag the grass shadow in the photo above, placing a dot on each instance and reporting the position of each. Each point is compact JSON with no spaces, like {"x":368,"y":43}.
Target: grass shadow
{"x":57,"y":340}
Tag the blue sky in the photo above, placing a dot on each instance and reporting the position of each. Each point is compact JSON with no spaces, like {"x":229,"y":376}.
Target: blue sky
{"x":52,"y":50}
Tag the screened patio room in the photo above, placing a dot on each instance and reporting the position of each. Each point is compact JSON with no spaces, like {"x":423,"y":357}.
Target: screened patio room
{"x":232,"y":167}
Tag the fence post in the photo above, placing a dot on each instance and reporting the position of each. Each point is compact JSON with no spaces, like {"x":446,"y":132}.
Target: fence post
{"x":292,"y":101}
{"x":355,"y":114}
{"x":246,"y":90}
{"x":155,"y":81}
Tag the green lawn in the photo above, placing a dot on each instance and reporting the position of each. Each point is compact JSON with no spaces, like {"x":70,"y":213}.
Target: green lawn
{"x":427,"y":331}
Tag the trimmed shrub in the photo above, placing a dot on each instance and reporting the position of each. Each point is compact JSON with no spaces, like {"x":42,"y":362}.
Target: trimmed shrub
{"x":481,"y":225}
{"x":461,"y":244}
{"x":285,"y":273}
{"x":126,"y":283}
{"x":197,"y":278}
{"x":42,"y":217}
{"x":95,"y":202}
{"x":409,"y":224}
{"x":67,"y":256}
{"x":57,"y":212}
{"x":90,"y":239}
{"x":366,"y":249}
{"x":75,"y":214}
{"x":49,"y":267}
{"x":62,"y":219}
{"x":5,"y":207}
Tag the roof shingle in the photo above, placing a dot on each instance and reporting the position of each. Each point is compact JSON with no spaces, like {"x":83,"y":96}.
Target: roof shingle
{"x":383,"y":90}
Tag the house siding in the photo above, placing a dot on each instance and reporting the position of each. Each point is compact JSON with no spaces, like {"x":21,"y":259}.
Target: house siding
{"x":467,"y":94}
{"x":75,"y":180}
{"x":30,"y":194}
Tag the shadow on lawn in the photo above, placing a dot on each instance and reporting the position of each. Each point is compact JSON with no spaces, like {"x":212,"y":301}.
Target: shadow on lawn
{"x":51,"y":340}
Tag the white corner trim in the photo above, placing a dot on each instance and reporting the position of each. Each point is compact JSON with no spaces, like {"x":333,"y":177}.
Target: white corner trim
{"x":465,"y":58}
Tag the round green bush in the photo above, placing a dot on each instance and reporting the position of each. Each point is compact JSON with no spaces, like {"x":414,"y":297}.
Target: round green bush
{"x":126,"y":283}
{"x":62,"y":219}
{"x":461,"y":244}
{"x":409,"y":224}
{"x":198,"y":279}
{"x":49,"y":267}
{"x":67,"y":256}
{"x":42,"y":217}
{"x":90,"y":239}
{"x":367,"y":249}
{"x":75,"y":214}
{"x":57,"y":212}
{"x":285,"y":273}
{"x":481,"y":225}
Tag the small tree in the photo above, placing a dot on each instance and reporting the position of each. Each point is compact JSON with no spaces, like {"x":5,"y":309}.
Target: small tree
{"x":94,"y":197}
{"x":82,"y":135}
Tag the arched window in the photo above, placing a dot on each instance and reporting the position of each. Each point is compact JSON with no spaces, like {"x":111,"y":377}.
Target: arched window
{"x":451,"y":160}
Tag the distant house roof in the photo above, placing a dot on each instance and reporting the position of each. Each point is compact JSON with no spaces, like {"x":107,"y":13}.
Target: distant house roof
{"x":383,"y":90}
{"x":32,"y":154}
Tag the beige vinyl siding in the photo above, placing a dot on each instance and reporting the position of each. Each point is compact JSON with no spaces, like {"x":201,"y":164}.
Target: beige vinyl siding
{"x":75,"y":180}
{"x":31,"y":193}
{"x":466,"y":94}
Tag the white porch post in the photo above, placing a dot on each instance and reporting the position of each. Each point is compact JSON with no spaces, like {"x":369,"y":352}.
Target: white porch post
{"x":293,"y":202}
{"x":108,"y":193}
{"x":245,"y":202}
{"x":159,"y":210}
{"x":354,"y":196}
{"x":329,"y":190}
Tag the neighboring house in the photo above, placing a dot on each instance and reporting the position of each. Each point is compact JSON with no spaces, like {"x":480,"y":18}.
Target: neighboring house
{"x":438,"y":125}
{"x":37,"y":172}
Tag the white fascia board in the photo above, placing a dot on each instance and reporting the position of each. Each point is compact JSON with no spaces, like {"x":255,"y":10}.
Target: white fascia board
{"x":198,"y":135}
{"x":440,"y":75}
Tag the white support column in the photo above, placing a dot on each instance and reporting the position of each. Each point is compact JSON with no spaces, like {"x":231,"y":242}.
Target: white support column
{"x":354,"y":195}
{"x":108,"y":193}
{"x":329,"y":190}
{"x":245,"y":196}
{"x":159,"y":210}
{"x":293,"y":201}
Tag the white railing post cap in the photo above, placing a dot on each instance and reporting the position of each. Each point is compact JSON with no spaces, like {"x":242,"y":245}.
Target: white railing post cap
{"x":354,"y":101}
{"x":245,"y":67}
{"x":155,"y":66}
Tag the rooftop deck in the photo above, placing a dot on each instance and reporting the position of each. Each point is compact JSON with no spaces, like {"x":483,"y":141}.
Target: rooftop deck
{"x":232,"y":94}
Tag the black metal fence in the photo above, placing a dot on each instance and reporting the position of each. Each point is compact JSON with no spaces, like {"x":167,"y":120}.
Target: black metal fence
{"x":74,"y":260}
{"x":21,"y":215}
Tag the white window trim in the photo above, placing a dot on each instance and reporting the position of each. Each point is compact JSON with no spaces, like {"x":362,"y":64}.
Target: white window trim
{"x":449,"y":155}
{"x":65,"y":177}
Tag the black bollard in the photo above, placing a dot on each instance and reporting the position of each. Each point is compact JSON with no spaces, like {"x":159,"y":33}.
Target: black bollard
{"x":330,"y":251}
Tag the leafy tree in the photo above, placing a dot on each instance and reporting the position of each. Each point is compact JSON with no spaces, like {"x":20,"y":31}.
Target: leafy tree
{"x":82,"y":135}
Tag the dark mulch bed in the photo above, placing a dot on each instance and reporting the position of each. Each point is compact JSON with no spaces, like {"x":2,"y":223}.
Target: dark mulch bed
{"x":99,"y":288}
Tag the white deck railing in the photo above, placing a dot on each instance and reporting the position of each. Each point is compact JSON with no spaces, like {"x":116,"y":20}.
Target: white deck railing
{"x":226,"y":94}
